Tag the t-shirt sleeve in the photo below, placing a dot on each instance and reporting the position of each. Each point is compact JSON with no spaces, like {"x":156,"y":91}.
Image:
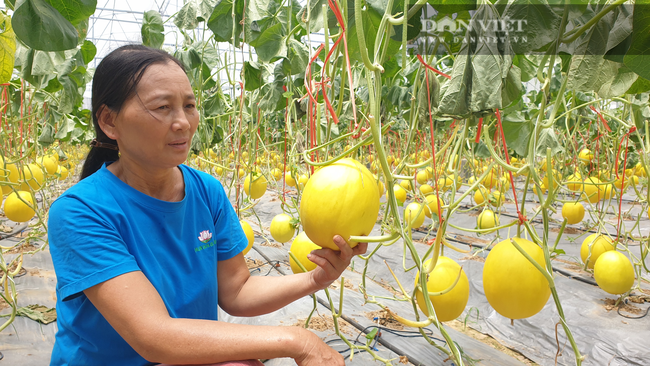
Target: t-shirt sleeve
{"x":230,"y":236}
{"x":86,"y":249}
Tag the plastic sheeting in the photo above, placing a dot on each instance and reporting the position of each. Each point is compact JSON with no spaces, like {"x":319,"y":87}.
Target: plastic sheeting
{"x":413,"y":346}
{"x":603,"y":336}
{"x":26,"y":342}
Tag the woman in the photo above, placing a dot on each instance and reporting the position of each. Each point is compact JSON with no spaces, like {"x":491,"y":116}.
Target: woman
{"x":145,"y":248}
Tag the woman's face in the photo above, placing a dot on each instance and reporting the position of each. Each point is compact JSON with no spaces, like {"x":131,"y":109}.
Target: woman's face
{"x":155,"y":127}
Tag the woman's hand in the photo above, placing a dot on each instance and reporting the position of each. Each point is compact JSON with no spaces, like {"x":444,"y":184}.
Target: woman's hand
{"x":332,"y":263}
{"x":315,"y":352}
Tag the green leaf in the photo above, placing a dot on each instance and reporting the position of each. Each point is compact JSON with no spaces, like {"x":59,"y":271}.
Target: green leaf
{"x":77,"y":135}
{"x":270,"y":45}
{"x":7,"y":49}
{"x":78,"y":76}
{"x":576,"y":8}
{"x":622,"y":26}
{"x":252,"y":76}
{"x":479,"y":71}
{"x":281,"y":70}
{"x":371,"y":20}
{"x":74,"y":11}
{"x":53,"y":86}
{"x":517,"y":131}
{"x":66,"y":66}
{"x":413,"y":29}
{"x":557,"y":252}
{"x":540,"y":28}
{"x":641,"y":85}
{"x":315,"y":8}
{"x":82,"y":29}
{"x":592,"y":68}
{"x":399,"y":96}
{"x":379,"y":6}
{"x":217,"y":134}
{"x":152,"y":29}
{"x":527,"y":67}
{"x":259,"y":16}
{"x":391,"y":67}
{"x":452,"y":6}
{"x":346,"y":113}
{"x":298,"y":55}
{"x":47,"y":135}
{"x":637,"y":57}
{"x":622,"y":82}
{"x":481,"y":150}
{"x":41,"y":27}
{"x":428,"y":96}
{"x":88,"y":51}
{"x":42,"y":64}
{"x":66,"y":126}
{"x":213,"y":105}
{"x":10,"y":4}
{"x":548,"y":139}
{"x":586,"y":71}
{"x":266,"y":27}
{"x":190,"y":57}
{"x":617,"y":53}
{"x":210,"y":55}
{"x":271,"y":96}
{"x":513,"y":89}
{"x":208,"y":81}
{"x":334,"y":129}
{"x":193,"y":12}
{"x":25,"y":62}
{"x":589,"y":69}
{"x":69,"y":94}
{"x":641,"y":110}
{"x":52,"y":117}
{"x":413,"y":25}
{"x":221,"y":21}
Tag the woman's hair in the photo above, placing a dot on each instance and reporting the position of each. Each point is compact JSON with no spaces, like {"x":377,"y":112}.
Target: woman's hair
{"x":115,"y":81}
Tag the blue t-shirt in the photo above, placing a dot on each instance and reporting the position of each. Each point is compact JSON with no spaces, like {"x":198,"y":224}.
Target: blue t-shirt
{"x":101,"y":228}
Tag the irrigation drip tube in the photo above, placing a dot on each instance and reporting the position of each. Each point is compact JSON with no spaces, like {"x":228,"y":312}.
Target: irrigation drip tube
{"x":19,"y":229}
{"x":386,"y":343}
{"x":552,"y":222}
{"x":360,"y":327}
{"x":555,"y":269}
{"x":268,"y":260}
{"x":382,"y":341}
{"x":570,"y":197}
{"x":564,"y":196}
{"x":389,"y":343}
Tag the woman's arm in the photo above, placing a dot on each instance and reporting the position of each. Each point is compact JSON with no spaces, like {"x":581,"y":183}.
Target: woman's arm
{"x":131,"y":305}
{"x":241,"y":294}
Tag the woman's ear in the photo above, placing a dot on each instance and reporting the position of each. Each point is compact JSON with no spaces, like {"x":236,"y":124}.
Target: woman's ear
{"x":106,"y":120}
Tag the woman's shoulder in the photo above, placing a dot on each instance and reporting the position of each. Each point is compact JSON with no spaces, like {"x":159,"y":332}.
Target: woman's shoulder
{"x":93,"y":198}
{"x":92,"y":188}
{"x":201,"y":178}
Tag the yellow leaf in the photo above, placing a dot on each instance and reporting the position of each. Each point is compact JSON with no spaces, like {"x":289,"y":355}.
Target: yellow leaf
{"x":7,"y":48}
